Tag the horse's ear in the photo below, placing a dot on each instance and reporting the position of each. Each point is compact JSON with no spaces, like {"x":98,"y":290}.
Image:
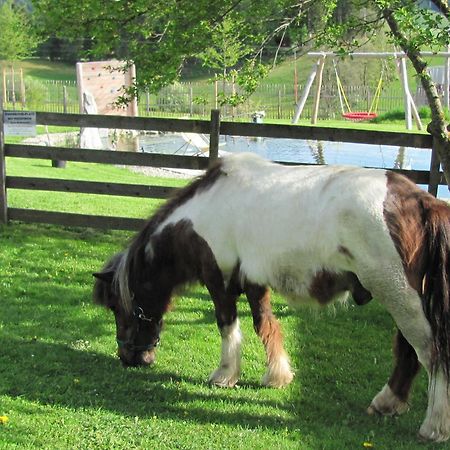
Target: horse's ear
{"x":105,"y":276}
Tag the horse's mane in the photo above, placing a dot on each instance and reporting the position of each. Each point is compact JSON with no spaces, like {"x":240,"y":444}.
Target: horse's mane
{"x":135,"y":257}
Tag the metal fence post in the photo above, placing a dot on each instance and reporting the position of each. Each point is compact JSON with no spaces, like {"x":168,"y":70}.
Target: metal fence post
{"x":435,"y":165}
{"x":3,"y":202}
{"x":214,"y":136}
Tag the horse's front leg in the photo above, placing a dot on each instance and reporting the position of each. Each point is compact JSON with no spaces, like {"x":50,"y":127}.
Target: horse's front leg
{"x":267,"y":327}
{"x":393,"y":398}
{"x":227,"y":374}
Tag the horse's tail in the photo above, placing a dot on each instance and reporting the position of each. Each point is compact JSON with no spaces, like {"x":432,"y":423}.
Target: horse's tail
{"x":436,"y":284}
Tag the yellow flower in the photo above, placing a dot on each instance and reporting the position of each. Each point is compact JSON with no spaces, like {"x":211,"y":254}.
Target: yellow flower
{"x":4,"y":420}
{"x":367,"y":445}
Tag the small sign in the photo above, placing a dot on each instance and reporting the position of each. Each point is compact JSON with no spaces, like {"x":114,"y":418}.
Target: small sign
{"x":19,"y":123}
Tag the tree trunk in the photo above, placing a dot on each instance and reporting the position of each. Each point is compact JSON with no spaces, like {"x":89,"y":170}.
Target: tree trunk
{"x":438,"y":126}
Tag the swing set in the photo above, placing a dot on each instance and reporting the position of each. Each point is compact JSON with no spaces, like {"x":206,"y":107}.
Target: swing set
{"x":349,"y":114}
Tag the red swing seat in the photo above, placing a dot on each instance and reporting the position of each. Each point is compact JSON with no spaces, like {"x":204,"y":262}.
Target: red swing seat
{"x":359,"y":115}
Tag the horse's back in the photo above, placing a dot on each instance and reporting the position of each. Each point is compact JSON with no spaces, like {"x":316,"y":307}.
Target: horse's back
{"x":282,"y":225}
{"x":266,"y":216}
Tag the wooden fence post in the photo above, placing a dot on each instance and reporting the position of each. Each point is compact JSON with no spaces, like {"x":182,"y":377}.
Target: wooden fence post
{"x":435,"y":165}
{"x":3,"y":202}
{"x":214,"y":136}
{"x":317,"y":93}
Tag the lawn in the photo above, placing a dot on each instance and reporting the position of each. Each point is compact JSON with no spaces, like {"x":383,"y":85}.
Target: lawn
{"x":43,"y":70}
{"x":63,"y":387}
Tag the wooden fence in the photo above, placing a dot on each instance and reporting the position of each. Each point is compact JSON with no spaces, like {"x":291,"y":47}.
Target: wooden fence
{"x":214,"y":127}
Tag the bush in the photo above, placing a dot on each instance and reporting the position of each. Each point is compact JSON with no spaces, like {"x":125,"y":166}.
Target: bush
{"x":390,"y":116}
{"x":399,"y":114}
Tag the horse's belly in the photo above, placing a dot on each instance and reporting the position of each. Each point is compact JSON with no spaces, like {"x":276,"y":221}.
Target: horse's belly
{"x":301,"y":278}
{"x":321,"y":286}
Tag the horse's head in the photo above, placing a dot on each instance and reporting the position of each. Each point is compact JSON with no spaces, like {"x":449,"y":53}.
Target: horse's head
{"x":138,"y":322}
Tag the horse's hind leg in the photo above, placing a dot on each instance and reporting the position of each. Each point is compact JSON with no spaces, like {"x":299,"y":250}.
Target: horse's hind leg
{"x":268,"y":329}
{"x":393,"y":398}
{"x":406,"y":309}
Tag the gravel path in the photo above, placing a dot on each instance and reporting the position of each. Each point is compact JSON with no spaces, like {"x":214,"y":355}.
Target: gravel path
{"x":165,"y":172}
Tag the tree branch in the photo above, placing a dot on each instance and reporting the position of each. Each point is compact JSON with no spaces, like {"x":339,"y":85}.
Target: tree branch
{"x":442,"y":6}
{"x":437,"y":127}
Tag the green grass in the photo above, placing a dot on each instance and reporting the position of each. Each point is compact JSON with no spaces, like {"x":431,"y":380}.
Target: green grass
{"x":82,"y":203}
{"x":63,"y":387}
{"x":43,"y":69}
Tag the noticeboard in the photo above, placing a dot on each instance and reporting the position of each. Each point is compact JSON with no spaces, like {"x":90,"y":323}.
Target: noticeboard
{"x":19,"y":123}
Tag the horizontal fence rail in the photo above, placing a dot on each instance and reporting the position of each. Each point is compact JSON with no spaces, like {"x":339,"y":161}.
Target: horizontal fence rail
{"x":74,"y":220}
{"x":107,"y":157}
{"x":89,"y":187}
{"x":213,"y":127}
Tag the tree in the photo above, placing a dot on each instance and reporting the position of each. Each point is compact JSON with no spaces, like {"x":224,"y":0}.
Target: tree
{"x":17,"y":38}
{"x":412,"y":29}
{"x":232,"y":43}
{"x":158,"y":36}
{"x":228,"y":48}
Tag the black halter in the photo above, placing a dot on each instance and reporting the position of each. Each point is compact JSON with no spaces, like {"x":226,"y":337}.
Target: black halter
{"x":139,"y":315}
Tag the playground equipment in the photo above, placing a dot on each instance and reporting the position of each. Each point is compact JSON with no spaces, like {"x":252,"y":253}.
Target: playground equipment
{"x":358,"y":115}
{"x":400,"y":57}
{"x":105,"y":82}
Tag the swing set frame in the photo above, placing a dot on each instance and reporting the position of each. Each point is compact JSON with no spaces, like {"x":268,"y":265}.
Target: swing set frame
{"x":400,"y":57}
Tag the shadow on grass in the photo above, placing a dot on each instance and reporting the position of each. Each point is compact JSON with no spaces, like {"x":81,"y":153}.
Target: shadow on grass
{"x":53,"y":374}
{"x":345,"y":359}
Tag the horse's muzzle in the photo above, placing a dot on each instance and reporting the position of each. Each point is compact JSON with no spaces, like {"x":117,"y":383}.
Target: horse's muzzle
{"x":136,"y":359}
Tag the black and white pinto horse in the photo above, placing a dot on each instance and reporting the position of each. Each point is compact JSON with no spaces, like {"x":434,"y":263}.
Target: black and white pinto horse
{"x":308,"y":233}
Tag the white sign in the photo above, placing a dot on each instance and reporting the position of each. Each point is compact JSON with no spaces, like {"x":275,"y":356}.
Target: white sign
{"x":19,"y":123}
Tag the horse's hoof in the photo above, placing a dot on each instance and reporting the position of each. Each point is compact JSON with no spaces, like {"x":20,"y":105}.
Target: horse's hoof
{"x":386,"y":403}
{"x":429,"y":433}
{"x":221,"y":379}
{"x":279,"y":373}
{"x":372,"y":411}
{"x":433,"y":437}
{"x":277,"y":381}
{"x":223,"y":383}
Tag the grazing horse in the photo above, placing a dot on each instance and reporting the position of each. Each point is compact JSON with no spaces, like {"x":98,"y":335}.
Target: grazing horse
{"x":310,"y":233}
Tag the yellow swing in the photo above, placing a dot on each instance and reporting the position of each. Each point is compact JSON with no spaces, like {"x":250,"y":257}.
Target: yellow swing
{"x":358,"y":115}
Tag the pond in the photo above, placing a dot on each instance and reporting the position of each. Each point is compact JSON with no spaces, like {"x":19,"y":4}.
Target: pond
{"x":303,"y":151}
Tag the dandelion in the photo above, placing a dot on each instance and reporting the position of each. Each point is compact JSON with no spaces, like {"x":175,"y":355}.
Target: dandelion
{"x":4,"y":420}
{"x":367,"y":445}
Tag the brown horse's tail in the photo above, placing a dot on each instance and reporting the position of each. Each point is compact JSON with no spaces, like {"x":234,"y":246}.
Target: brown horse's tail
{"x":436,"y":283}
